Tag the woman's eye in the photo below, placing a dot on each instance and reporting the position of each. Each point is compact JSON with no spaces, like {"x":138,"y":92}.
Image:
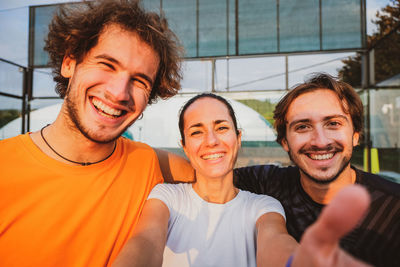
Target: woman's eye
{"x":195,"y":133}
{"x":222,"y":128}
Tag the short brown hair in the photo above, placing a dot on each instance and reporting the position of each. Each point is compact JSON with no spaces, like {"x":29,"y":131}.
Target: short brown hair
{"x":75,"y":30}
{"x":350,"y":101}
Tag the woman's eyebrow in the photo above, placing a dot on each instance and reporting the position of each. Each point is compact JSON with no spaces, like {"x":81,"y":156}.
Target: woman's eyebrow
{"x":219,"y":121}
{"x":196,"y":125}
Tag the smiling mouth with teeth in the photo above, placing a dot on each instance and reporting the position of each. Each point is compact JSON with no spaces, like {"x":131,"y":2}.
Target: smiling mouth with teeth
{"x":107,"y":111}
{"x":213,"y":156}
{"x":321,"y":156}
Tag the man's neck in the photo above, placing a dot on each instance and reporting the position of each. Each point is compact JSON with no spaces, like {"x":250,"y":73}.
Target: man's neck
{"x":70,"y":143}
{"x":323,"y":193}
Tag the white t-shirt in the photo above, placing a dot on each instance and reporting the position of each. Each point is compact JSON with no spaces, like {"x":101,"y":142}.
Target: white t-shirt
{"x":207,"y":234}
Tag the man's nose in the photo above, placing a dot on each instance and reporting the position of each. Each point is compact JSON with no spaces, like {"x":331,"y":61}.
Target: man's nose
{"x":320,"y":137}
{"x":119,"y":88}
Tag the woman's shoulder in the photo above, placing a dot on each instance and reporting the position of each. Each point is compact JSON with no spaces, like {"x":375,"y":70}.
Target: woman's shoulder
{"x":172,"y":189}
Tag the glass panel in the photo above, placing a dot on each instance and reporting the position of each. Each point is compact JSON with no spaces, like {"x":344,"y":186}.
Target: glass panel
{"x":264,"y":73}
{"x":204,"y":31}
{"x":257,"y":26}
{"x":385,"y":118}
{"x":43,"y":112}
{"x":43,"y":16}
{"x":221,"y":75}
{"x":212,"y":28}
{"x":386,"y":64}
{"x":232,"y":27}
{"x":43,"y":84}
{"x":14,"y":35}
{"x":299,"y":25}
{"x":11,"y":79}
{"x":385,"y":134}
{"x":302,"y":66}
{"x":182,"y":20}
{"x":153,"y":5}
{"x":196,"y":76}
{"x":10,"y":121}
{"x":341,"y":24}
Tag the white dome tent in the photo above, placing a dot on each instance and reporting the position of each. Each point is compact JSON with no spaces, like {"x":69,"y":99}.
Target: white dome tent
{"x":159,"y":125}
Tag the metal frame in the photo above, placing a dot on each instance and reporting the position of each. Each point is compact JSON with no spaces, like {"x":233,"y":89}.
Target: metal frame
{"x":23,"y":97}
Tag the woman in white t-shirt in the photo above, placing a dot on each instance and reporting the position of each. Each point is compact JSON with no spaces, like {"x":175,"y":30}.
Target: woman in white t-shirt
{"x":209,"y":222}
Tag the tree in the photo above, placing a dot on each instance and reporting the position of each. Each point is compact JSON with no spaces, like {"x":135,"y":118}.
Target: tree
{"x":8,"y":115}
{"x":386,"y":44}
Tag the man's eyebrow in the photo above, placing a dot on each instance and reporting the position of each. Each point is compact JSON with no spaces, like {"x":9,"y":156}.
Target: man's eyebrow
{"x":109,"y":58}
{"x":115,"y":61}
{"x":298,"y":121}
{"x":327,"y":118}
{"x":145,"y":77}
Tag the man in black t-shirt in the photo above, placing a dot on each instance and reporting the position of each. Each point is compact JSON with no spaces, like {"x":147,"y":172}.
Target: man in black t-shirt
{"x":318,"y":123}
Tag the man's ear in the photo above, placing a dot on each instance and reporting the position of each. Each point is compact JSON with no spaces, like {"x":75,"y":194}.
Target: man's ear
{"x":284,"y":145}
{"x":68,"y":67}
{"x":356,"y":137}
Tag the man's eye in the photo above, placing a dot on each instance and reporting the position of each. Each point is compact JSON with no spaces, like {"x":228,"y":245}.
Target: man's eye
{"x":301,"y":127}
{"x":140,"y":83}
{"x":334,"y":124}
{"x":222,"y":128}
{"x":108,"y":65}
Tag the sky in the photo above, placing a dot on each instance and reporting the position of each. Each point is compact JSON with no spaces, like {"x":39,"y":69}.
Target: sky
{"x":261,"y":73}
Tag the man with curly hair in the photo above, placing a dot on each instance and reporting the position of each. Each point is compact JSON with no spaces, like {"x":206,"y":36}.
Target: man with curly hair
{"x":71,"y":193}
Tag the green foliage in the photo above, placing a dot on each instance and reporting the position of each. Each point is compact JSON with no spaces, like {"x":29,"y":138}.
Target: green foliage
{"x":265,"y":108}
{"x":386,"y":43}
{"x":387,"y":19}
{"x":7,"y":115}
{"x":351,"y":71}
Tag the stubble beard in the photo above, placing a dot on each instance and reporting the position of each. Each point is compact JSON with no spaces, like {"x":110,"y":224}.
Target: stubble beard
{"x":345,"y":162}
{"x":72,"y":114}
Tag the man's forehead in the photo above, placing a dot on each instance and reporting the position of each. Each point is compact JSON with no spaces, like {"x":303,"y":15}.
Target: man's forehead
{"x":317,"y":105}
{"x":113,"y":30}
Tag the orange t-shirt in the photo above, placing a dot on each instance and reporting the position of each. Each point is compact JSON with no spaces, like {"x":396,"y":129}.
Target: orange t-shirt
{"x":53,"y":214}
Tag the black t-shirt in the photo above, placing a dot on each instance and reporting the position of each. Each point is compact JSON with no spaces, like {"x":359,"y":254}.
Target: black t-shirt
{"x":376,"y":240}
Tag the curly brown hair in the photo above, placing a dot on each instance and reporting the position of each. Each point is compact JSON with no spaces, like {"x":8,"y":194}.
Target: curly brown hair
{"x":350,"y":101}
{"x":75,"y":29}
